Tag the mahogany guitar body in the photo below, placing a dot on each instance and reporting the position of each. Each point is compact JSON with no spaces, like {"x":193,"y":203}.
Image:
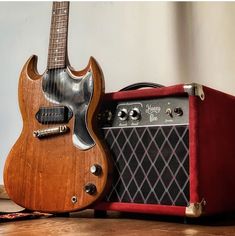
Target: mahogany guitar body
{"x":50,"y":174}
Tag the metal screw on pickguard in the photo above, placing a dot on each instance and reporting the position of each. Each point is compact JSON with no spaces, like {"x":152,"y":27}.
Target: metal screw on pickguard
{"x":74,"y":199}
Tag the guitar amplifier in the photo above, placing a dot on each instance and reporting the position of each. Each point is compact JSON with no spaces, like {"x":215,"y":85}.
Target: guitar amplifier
{"x":173,"y":150}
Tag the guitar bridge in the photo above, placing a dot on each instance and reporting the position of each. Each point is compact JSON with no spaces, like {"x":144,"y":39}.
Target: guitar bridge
{"x":44,"y":133}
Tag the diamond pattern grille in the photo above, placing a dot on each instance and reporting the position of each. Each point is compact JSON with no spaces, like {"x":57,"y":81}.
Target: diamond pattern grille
{"x":151,"y":164}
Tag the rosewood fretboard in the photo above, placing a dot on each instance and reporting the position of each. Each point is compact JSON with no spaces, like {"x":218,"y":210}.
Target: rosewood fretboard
{"x":57,"y":53}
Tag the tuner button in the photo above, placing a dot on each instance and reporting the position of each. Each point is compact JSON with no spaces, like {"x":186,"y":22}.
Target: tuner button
{"x":135,"y":114}
{"x":90,"y":188}
{"x":178,"y":111}
{"x":122,"y":114}
{"x":96,"y":169}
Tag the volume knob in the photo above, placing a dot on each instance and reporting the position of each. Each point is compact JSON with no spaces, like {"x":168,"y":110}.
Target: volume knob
{"x":135,"y":114}
{"x":96,"y":169}
{"x":122,"y":114}
{"x":90,"y":188}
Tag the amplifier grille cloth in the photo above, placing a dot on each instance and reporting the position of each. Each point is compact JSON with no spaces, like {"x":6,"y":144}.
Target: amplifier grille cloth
{"x":151,"y":164}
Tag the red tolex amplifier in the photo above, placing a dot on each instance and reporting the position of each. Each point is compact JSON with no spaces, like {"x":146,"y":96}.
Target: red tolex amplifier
{"x":173,"y":150}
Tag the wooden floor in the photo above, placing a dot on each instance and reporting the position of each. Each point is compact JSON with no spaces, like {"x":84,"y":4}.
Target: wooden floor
{"x":84,"y":224}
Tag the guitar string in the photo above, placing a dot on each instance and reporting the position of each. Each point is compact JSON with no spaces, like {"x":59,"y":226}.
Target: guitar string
{"x":66,"y":4}
{"x":50,"y":65}
{"x":50,"y":52}
{"x":52,"y":59}
{"x":56,"y":59}
{"x":65,"y":30}
{"x":44,"y":110}
{"x":52,"y":56}
{"x":61,"y":55}
{"x":74,"y":159}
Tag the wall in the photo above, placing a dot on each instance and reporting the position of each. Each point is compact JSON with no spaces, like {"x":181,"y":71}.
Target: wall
{"x":161,"y":42}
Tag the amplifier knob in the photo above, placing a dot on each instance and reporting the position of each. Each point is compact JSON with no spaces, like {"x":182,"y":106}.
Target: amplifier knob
{"x":169,"y":112}
{"x":90,"y":188}
{"x":178,"y":111}
{"x":122,"y":114}
{"x":135,"y":114}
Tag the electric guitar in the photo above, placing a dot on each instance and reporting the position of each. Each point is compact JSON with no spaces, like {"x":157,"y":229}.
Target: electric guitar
{"x":59,"y":163}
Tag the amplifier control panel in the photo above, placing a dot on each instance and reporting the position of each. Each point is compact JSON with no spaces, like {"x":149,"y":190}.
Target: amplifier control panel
{"x":150,"y":112}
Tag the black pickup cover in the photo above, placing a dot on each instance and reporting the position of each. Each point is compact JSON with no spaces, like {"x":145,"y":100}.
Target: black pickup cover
{"x":54,"y":115}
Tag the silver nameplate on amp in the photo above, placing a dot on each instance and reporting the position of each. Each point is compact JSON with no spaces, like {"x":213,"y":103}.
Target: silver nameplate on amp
{"x":152,"y":112}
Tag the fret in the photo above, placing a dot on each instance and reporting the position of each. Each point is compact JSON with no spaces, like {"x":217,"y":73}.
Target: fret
{"x":59,"y":30}
{"x":59,"y":21}
{"x":62,"y":8}
{"x":60,"y":25}
{"x":57,"y":48}
{"x":59,"y":62}
{"x":59,"y":18}
{"x":55,"y":45}
{"x":60,"y":15}
{"x":54,"y":65}
{"x":59,"y":35}
{"x":57,"y":52}
{"x":56,"y":57}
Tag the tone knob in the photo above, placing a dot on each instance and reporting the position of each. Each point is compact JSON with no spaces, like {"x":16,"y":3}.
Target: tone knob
{"x":135,"y":114}
{"x":122,"y":114}
{"x":90,"y":188}
{"x":96,"y":169}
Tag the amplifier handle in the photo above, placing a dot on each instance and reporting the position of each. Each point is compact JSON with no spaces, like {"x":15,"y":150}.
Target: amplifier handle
{"x":141,"y":85}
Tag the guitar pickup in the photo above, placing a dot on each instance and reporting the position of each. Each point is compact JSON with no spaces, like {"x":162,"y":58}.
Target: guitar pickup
{"x":54,"y":115}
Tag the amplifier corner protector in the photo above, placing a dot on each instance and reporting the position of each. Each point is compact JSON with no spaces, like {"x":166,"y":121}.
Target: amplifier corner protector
{"x":194,"y":89}
{"x":195,"y":210}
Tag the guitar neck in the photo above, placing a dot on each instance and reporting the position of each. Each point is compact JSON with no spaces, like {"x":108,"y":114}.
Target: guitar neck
{"x":57,"y":53}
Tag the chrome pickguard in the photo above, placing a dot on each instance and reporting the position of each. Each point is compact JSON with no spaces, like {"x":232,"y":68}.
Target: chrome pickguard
{"x":60,"y":87}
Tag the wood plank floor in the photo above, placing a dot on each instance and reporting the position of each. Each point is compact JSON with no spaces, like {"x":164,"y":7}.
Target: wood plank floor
{"x":84,"y":224}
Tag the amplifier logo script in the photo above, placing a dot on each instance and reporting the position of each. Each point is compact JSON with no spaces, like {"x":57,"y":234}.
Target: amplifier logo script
{"x":152,"y":111}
